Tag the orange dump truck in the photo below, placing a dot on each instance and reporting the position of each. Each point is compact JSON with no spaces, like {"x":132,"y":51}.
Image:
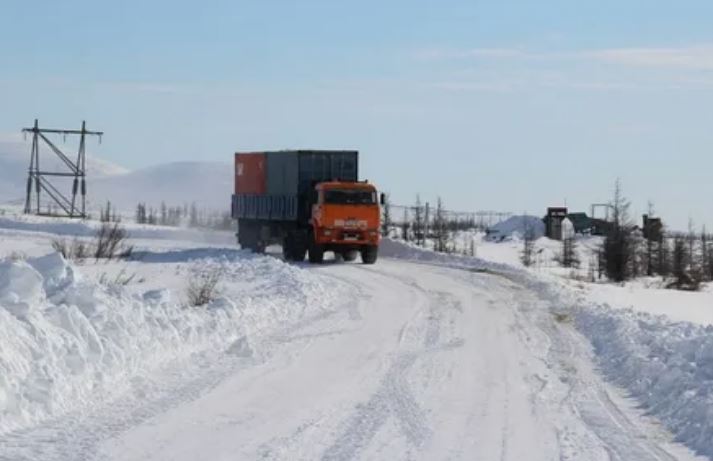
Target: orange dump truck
{"x":309,"y":201}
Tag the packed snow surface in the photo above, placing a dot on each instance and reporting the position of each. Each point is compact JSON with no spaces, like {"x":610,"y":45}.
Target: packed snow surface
{"x":665,"y":365}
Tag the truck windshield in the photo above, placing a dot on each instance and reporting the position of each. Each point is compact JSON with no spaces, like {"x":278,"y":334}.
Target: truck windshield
{"x":349,"y":197}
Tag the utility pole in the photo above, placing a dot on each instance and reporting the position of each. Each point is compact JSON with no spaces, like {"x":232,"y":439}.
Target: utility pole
{"x":38,"y":180}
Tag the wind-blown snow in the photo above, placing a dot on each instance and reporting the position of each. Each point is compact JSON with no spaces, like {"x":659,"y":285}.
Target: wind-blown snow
{"x":68,"y":341}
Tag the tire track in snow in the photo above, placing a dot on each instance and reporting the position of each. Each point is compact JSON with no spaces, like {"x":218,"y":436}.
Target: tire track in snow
{"x":394,"y":397}
{"x":620,"y":437}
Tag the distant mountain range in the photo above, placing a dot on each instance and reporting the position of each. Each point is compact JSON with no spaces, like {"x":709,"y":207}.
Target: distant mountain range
{"x":207,"y":184}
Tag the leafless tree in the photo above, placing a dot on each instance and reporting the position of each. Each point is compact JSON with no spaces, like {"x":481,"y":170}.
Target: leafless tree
{"x":418,"y":228}
{"x":706,"y":256}
{"x":528,"y":241}
{"x":386,"y":218}
{"x":617,"y":248}
{"x":569,"y":252}
{"x":405,"y":226}
{"x":440,"y":231}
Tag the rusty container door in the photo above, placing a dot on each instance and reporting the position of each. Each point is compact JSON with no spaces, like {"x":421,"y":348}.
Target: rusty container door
{"x":250,"y":174}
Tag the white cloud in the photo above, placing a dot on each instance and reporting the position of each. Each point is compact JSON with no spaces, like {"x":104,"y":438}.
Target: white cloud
{"x":437,"y":54}
{"x":693,"y":58}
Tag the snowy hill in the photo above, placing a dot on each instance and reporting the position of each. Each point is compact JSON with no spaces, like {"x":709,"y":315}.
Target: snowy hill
{"x":208,"y":184}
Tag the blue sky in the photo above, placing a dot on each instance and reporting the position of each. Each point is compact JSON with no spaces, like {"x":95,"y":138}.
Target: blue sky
{"x":504,"y":105}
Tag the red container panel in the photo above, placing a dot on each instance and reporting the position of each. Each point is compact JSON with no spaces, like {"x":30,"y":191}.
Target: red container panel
{"x":250,"y":173}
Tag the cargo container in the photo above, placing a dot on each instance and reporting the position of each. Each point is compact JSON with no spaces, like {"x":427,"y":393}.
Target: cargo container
{"x":287,"y":197}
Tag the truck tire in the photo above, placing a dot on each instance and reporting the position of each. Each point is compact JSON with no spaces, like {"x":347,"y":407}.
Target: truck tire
{"x":350,"y":255}
{"x":294,"y":248}
{"x":369,"y":254}
{"x":249,"y":236}
{"x":299,"y":252}
{"x":316,"y":254}
{"x":287,"y":249}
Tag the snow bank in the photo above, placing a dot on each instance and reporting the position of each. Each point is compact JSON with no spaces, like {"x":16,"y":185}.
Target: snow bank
{"x":67,"y":341}
{"x":666,"y":366}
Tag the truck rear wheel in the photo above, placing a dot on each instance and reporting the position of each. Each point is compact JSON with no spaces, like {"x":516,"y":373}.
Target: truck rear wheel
{"x":294,"y":248}
{"x":350,"y":255}
{"x":249,"y":236}
{"x":369,"y":254}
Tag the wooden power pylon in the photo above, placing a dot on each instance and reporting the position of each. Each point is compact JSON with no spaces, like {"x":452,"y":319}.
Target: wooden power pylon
{"x":38,"y":180}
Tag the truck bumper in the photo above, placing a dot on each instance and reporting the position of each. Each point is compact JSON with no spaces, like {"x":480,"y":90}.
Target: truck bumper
{"x":347,"y":238}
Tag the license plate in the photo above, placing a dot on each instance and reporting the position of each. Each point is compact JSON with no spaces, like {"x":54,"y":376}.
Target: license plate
{"x":351,"y":237}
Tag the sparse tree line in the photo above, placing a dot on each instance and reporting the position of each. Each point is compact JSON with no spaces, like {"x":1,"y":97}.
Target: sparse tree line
{"x":421,"y":223}
{"x":684,"y":260}
{"x":185,"y":215}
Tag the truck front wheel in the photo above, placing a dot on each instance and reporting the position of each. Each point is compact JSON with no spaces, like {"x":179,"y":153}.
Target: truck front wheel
{"x":369,"y":254}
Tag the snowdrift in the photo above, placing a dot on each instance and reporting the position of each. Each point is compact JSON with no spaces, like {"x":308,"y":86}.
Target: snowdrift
{"x":68,"y":341}
{"x":666,"y":366}
{"x":515,"y":227}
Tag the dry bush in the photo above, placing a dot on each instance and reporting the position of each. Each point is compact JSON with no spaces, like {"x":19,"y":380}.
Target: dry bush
{"x":203,"y":286}
{"x":562,"y":318}
{"x":76,"y":249}
{"x":17,"y":256}
{"x":110,"y":242}
{"x":121,"y":279}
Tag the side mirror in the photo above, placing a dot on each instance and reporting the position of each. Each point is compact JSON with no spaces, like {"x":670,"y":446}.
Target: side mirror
{"x":382,"y":198}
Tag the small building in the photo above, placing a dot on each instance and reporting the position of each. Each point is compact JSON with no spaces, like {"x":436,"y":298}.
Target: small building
{"x":553,"y":222}
{"x":652,"y":228}
{"x":581,"y":222}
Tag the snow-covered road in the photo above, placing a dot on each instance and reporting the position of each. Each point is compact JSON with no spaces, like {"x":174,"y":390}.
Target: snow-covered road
{"x":425,"y":363}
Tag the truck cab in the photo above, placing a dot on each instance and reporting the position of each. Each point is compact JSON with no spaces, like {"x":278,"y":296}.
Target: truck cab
{"x":346,"y":219}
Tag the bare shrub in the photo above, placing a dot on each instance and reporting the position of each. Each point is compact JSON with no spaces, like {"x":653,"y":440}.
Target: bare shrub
{"x":203,"y":286}
{"x":121,"y":279}
{"x":76,"y":250}
{"x":17,"y":256}
{"x":562,"y":318}
{"x":110,"y":242}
